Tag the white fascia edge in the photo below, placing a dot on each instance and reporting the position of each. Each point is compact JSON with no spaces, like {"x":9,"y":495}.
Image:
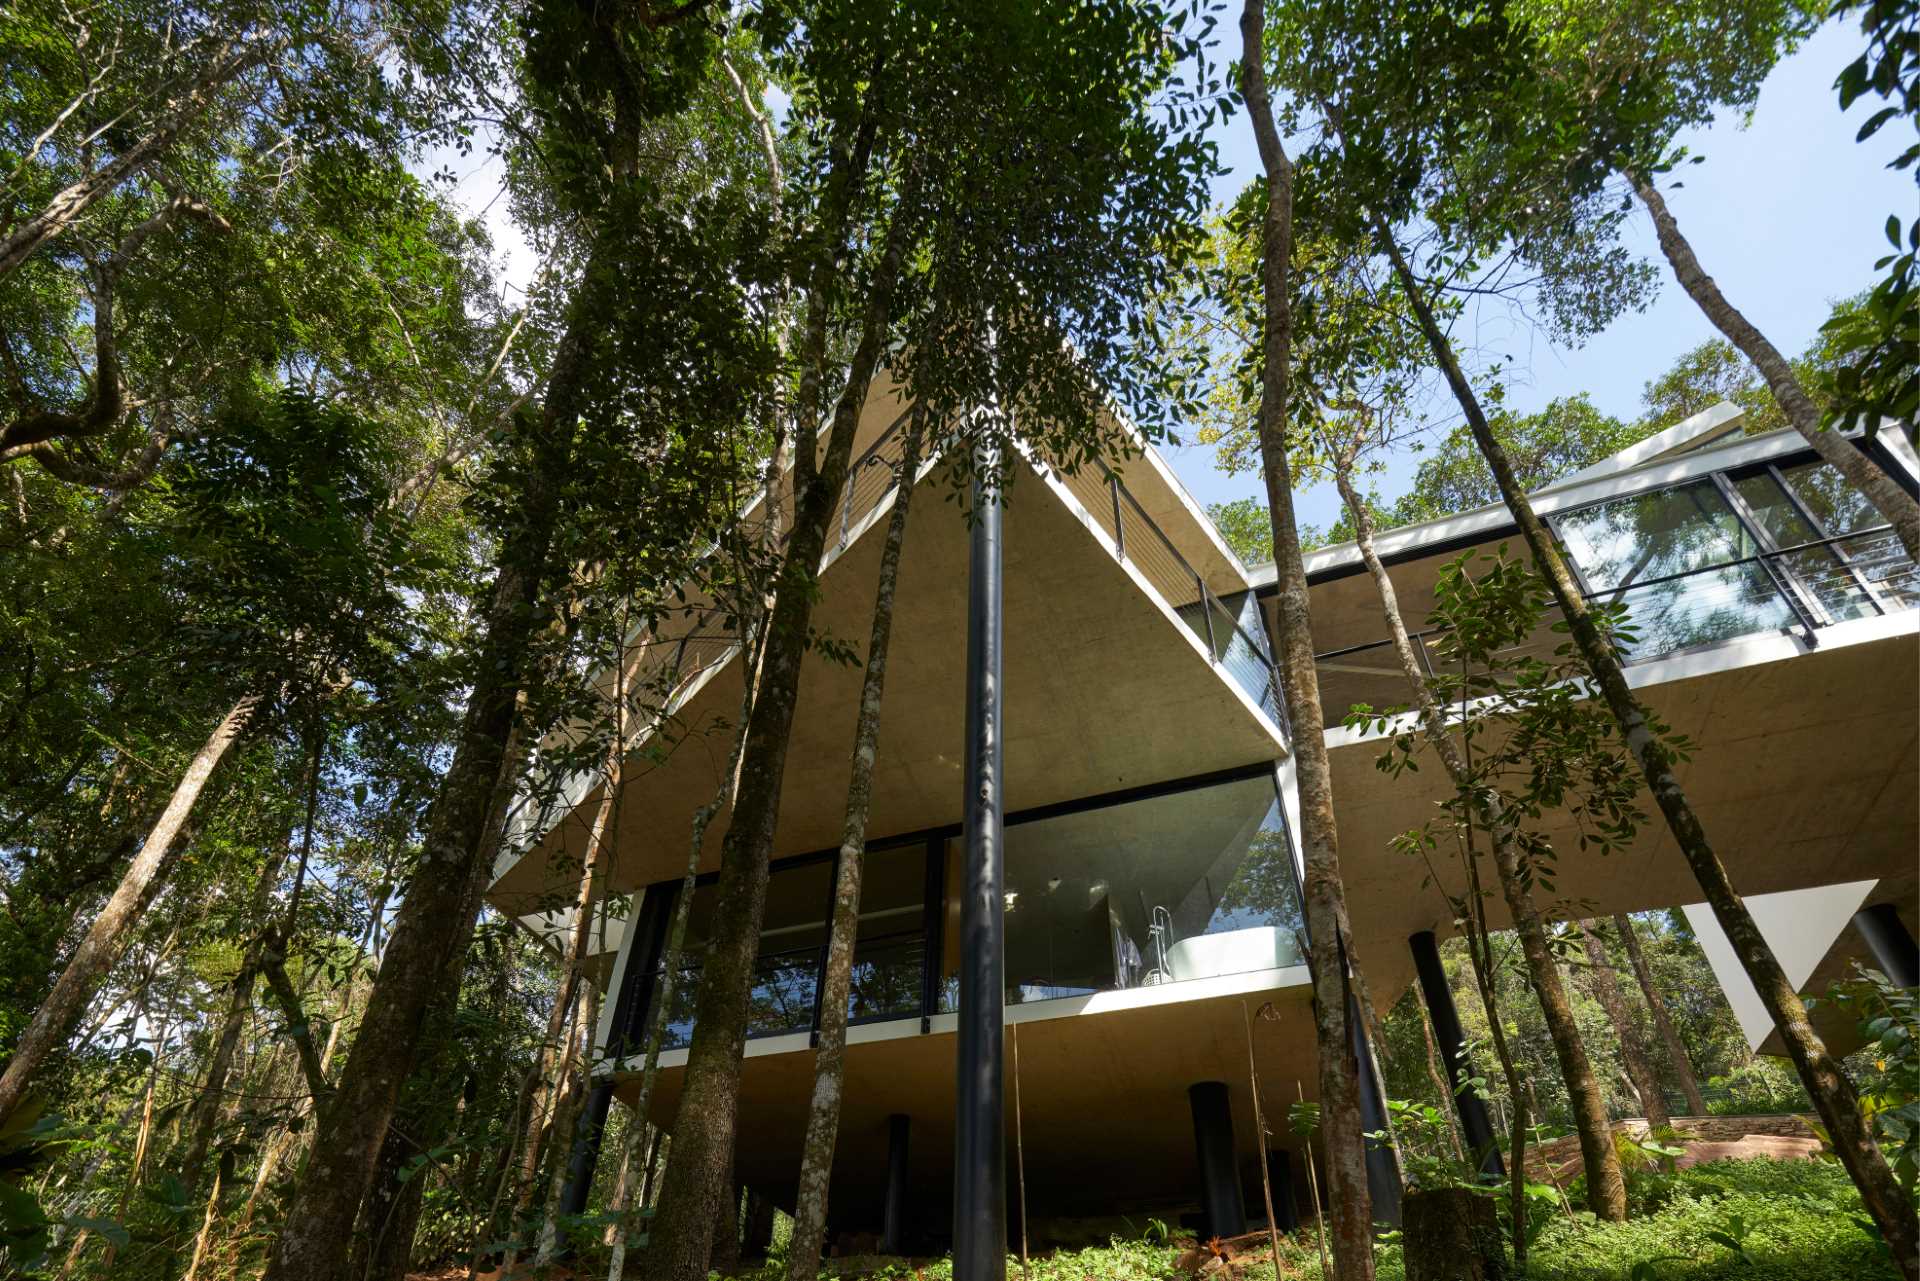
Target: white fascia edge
{"x":1115,"y":1002}
{"x":1731,"y":655}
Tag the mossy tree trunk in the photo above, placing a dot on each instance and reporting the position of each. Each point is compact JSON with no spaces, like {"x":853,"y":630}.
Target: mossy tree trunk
{"x":829,"y":1059}
{"x":1350,"y":1208}
{"x":1662,"y":1017}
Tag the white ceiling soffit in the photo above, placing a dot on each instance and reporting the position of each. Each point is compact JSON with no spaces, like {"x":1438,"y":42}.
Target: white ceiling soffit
{"x":1799,"y":925}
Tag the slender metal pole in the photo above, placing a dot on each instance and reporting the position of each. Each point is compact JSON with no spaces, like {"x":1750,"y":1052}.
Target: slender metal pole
{"x":1020,"y":1155}
{"x":1886,"y":936}
{"x":1447,"y":1031}
{"x":979,"y":1151}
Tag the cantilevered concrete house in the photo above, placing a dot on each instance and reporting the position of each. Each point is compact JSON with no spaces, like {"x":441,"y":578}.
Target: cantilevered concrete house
{"x":1150,"y":885}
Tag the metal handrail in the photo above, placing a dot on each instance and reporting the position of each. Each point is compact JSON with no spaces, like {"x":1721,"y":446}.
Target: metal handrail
{"x":1614,"y":593}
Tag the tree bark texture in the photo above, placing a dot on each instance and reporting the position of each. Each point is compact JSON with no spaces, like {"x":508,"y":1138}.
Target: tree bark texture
{"x":1350,"y":1209}
{"x":1662,"y":1018}
{"x":435,"y":922}
{"x":1606,"y":1188}
{"x":1894,"y":503}
{"x":704,"y":1129}
{"x":829,"y":1057}
{"x":1633,"y":1051}
{"x":1452,"y":1234}
{"x":107,"y":938}
{"x":1826,"y":1083}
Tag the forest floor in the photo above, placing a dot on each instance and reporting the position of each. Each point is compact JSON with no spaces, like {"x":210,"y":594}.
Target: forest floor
{"x":1791,"y":1220}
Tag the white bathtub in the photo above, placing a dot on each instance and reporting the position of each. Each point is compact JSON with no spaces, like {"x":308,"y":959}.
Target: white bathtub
{"x":1205,"y":956}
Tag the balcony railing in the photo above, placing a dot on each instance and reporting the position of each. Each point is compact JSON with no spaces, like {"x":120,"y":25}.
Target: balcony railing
{"x":1138,"y":539}
{"x":1803,"y":588}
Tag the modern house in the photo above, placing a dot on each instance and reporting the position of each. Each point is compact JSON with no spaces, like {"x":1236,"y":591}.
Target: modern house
{"x":1150,"y":906}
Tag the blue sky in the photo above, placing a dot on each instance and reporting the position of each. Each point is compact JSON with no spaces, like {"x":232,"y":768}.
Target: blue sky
{"x":1786,"y":213}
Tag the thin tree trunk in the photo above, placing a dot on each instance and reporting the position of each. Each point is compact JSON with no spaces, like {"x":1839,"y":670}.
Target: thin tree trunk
{"x":704,"y":1134}
{"x":1480,"y":956}
{"x":579,"y":1074}
{"x":1350,"y":1205}
{"x":829,"y":1059}
{"x":205,"y":1115}
{"x":1826,"y":1084}
{"x":232,"y":59}
{"x":1606,"y":1188}
{"x":206,"y":1229}
{"x":1894,"y":503}
{"x":1662,"y":1019}
{"x":436,"y":918}
{"x":106,"y":939}
{"x":1633,"y":1051}
{"x":1443,"y":1091}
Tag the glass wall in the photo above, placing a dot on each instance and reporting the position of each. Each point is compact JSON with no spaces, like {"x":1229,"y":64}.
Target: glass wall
{"x":1239,"y":639}
{"x":1191,"y":884}
{"x":1755,"y":549}
{"x":1682,"y":564}
{"x":1195,"y":884}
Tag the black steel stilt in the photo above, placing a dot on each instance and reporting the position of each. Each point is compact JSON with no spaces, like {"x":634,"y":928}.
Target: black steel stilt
{"x":588,"y":1132}
{"x":1886,"y":936}
{"x":893,"y":1222}
{"x":1220,"y":1196}
{"x":1383,"y":1171}
{"x":1475,"y":1124}
{"x":1286,"y":1214}
{"x":979,"y":1152}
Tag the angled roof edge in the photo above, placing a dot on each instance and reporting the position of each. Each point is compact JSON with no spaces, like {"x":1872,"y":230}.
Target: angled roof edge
{"x":1689,"y":434}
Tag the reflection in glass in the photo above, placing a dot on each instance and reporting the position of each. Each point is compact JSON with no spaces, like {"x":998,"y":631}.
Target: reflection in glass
{"x":1875,"y":559}
{"x":1193,"y":885}
{"x":1822,"y":571}
{"x":1669,"y":557}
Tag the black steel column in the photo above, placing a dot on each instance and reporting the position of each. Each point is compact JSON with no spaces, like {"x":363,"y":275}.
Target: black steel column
{"x":1476,"y":1125}
{"x":1220,"y":1198}
{"x":979,"y":1148}
{"x":1286,"y":1213}
{"x":1383,"y":1171}
{"x":646,"y":937}
{"x":1886,"y":936}
{"x":893,"y":1222}
{"x":588,"y":1131}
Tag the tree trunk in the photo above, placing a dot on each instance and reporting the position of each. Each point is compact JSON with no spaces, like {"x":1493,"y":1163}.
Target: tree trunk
{"x":1606,"y":1189}
{"x":1894,"y":503}
{"x":205,"y":1114}
{"x":829,"y":1059}
{"x":436,"y":918}
{"x":230,"y":60}
{"x":1633,"y":1051}
{"x":1452,"y":1234}
{"x":106,"y":939}
{"x":704,"y":1131}
{"x":1443,"y":1093}
{"x":1350,"y":1207}
{"x":1480,"y":957}
{"x":1826,"y":1084}
{"x":1662,"y":1019}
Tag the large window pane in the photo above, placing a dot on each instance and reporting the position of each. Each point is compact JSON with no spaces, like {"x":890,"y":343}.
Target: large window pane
{"x":1678,"y":560}
{"x":889,"y":946}
{"x":1878,"y":559}
{"x":787,"y":971}
{"x":1822,"y":571}
{"x":1187,"y":886}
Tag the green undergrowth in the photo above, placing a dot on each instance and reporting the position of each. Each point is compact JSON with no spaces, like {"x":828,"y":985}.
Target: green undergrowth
{"x":1753,"y":1220}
